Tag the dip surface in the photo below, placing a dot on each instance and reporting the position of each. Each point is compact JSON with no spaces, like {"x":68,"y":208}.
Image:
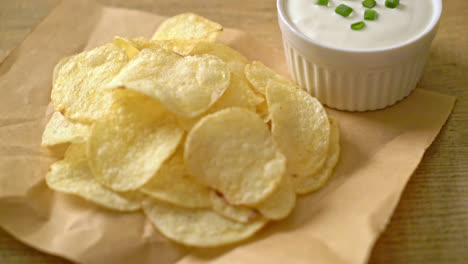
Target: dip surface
{"x":392,"y":26}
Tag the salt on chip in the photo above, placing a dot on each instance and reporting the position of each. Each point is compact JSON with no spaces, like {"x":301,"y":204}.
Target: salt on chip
{"x":187,"y":86}
{"x":188,"y":26}
{"x":237,"y":213}
{"x":127,"y":147}
{"x":260,"y":75}
{"x":60,"y":130}
{"x":281,"y":202}
{"x":233,"y":152}
{"x":198,"y":227}
{"x":172,"y":184}
{"x":73,"y":176}
{"x":77,"y":91}
{"x":313,"y":182}
{"x":127,"y":45}
{"x":300,"y":127}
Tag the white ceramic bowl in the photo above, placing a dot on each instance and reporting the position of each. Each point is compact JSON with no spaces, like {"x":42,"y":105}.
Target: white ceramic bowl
{"x":356,"y":80}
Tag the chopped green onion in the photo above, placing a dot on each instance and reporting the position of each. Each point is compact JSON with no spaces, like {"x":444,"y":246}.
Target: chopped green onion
{"x":370,"y":14}
{"x":343,"y":10}
{"x":358,"y":25}
{"x":322,"y":2}
{"x":369,"y":3}
{"x":392,"y":3}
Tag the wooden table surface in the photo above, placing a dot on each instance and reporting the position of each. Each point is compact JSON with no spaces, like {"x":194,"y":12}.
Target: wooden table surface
{"x":430,"y":224}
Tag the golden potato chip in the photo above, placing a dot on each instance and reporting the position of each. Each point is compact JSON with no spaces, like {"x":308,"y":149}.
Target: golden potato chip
{"x":281,"y":202}
{"x":236,"y":95}
{"x":172,"y":184}
{"x":233,"y":151}
{"x":197,"y":227}
{"x":77,"y":92}
{"x":237,"y":213}
{"x":313,"y":182}
{"x":60,"y":130}
{"x":234,"y":60}
{"x":127,"y":147}
{"x":260,"y":75}
{"x":127,"y":45}
{"x":300,"y":127}
{"x":182,"y":47}
{"x":187,"y":86}
{"x":73,"y":176}
{"x":263,"y":112}
{"x":57,"y":69}
{"x":188,"y":26}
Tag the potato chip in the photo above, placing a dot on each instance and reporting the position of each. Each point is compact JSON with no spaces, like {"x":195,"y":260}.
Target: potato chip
{"x":234,"y":60}
{"x":198,"y":227}
{"x":182,"y":47}
{"x":60,"y":130}
{"x":260,"y":75}
{"x":77,"y":92}
{"x":300,"y":127}
{"x":73,"y":176}
{"x":57,"y":69}
{"x":187,"y":86}
{"x":128,"y":146}
{"x":281,"y":202}
{"x":236,"y":95}
{"x":237,"y":213}
{"x":313,"y":182}
{"x":172,"y":184}
{"x":188,"y":26}
{"x":263,"y":112}
{"x":127,"y":45}
{"x":233,"y":152}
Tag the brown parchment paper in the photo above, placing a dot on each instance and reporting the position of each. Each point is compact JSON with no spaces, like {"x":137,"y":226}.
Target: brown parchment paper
{"x":338,"y":224}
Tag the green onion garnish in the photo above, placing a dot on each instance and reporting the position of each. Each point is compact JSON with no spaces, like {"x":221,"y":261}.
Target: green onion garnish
{"x":358,"y":25}
{"x":392,"y":3}
{"x":369,"y":3}
{"x":343,"y":10}
{"x":370,"y":14}
{"x":322,"y":2}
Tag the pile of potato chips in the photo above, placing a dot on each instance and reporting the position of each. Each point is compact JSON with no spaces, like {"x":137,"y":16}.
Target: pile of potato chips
{"x":209,"y":145}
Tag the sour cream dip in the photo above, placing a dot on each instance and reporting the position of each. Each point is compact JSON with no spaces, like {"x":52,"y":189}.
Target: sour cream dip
{"x":391,"y":28}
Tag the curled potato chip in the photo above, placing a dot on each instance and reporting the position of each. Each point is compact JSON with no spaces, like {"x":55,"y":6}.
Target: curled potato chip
{"x":73,"y":176}
{"x":300,"y":127}
{"x":172,"y":184}
{"x":233,"y":59}
{"x":281,"y":202}
{"x":127,"y":147}
{"x":127,"y":45}
{"x":232,"y":151}
{"x":182,"y":47}
{"x":57,"y":68}
{"x":60,"y":130}
{"x":313,"y":182}
{"x":260,"y":75}
{"x":188,"y":26}
{"x":77,"y":92}
{"x":263,"y":112}
{"x":197,"y":227}
{"x":237,"y":213}
{"x":187,"y":86}
{"x":236,"y":95}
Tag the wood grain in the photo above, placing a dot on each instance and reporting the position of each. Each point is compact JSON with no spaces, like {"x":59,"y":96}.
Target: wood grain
{"x":430,"y":224}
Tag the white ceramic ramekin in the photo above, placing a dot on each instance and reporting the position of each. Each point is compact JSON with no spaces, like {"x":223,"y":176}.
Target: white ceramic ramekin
{"x":356,"y":80}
